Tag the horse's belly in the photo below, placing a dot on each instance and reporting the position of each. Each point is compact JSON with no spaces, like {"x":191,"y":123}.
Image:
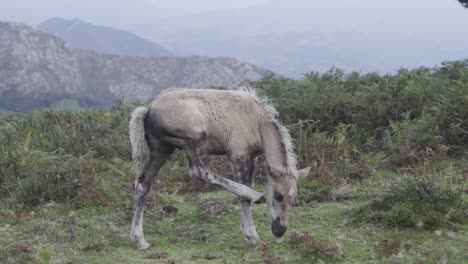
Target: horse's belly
{"x":215,"y":146}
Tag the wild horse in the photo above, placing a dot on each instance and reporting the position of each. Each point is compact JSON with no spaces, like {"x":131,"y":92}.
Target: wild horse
{"x":236,"y":123}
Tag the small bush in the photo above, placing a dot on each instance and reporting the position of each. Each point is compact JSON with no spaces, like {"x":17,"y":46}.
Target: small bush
{"x":39,"y":177}
{"x":313,"y":247}
{"x":45,"y":254}
{"x":416,"y":201}
{"x":313,"y":190}
{"x":409,"y":141}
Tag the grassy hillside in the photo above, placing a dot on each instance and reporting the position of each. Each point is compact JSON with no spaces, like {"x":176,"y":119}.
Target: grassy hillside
{"x":388,"y":185}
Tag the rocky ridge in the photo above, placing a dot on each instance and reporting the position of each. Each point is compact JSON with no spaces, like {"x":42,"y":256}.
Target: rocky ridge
{"x":39,"y":70}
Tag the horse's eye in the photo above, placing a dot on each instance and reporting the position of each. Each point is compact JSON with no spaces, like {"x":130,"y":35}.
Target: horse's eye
{"x":278,"y":196}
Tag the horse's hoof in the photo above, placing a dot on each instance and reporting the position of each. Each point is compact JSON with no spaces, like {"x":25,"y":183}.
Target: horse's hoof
{"x":252,"y":240}
{"x":142,"y":245}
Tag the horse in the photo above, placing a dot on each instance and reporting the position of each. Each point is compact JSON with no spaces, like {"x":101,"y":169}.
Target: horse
{"x":237,"y":123}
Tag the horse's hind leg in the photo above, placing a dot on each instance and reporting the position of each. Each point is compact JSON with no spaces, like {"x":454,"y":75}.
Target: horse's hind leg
{"x":160,"y":152}
{"x":244,"y":169}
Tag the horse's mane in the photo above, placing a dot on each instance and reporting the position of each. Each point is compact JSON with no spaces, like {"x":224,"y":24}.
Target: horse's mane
{"x":285,"y":136}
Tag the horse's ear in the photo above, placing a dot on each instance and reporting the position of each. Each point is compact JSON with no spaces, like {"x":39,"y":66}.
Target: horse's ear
{"x":301,"y":174}
{"x":261,"y":200}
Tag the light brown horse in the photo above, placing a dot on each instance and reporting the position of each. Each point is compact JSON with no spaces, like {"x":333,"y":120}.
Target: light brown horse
{"x":236,"y":123}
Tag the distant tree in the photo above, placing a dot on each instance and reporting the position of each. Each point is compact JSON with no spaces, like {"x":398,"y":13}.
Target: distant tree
{"x":464,"y":3}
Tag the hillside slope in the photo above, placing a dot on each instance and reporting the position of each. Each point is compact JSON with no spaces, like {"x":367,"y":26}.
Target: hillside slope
{"x":80,"y":34}
{"x":40,"y":70}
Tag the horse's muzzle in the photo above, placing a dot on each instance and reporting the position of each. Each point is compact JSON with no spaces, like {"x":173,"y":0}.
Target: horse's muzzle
{"x":277,"y":229}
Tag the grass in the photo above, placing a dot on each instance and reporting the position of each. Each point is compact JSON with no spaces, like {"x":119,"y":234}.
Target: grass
{"x":61,"y":234}
{"x":66,"y":180}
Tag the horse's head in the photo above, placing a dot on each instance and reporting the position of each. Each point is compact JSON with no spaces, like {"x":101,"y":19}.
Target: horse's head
{"x":280,"y":192}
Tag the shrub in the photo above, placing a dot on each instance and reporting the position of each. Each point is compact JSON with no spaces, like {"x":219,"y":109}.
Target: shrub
{"x":419,"y":110}
{"x":40,"y":177}
{"x":416,"y":201}
{"x":314,"y":248}
{"x":63,"y":156}
{"x":409,"y":141}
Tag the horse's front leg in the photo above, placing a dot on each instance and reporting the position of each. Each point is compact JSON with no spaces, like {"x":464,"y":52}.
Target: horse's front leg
{"x":244,"y":169}
{"x":196,"y":157}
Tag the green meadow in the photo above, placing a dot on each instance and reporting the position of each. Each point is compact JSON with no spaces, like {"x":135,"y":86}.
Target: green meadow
{"x":390,"y":164}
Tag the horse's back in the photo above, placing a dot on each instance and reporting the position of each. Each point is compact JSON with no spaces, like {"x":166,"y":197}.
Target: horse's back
{"x":173,"y":116}
{"x":211,"y":105}
{"x":229,"y":119}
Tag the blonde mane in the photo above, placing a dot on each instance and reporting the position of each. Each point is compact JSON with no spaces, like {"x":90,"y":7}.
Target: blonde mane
{"x":285,"y":136}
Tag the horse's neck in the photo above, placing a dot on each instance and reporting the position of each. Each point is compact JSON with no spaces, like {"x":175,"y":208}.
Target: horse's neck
{"x":273,"y":146}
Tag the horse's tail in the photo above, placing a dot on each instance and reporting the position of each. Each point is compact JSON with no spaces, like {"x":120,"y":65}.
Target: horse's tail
{"x":140,"y":150}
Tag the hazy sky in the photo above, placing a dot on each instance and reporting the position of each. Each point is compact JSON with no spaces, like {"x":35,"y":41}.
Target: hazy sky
{"x":106,"y":11}
{"x":437,"y":29}
{"x":130,"y":14}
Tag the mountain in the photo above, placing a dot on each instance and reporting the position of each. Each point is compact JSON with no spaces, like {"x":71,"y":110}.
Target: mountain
{"x":80,"y":34}
{"x":40,"y":70}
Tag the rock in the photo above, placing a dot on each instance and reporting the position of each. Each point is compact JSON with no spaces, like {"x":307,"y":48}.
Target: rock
{"x":170,"y":209}
{"x":5,"y":228}
{"x":214,"y":206}
{"x":38,"y":69}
